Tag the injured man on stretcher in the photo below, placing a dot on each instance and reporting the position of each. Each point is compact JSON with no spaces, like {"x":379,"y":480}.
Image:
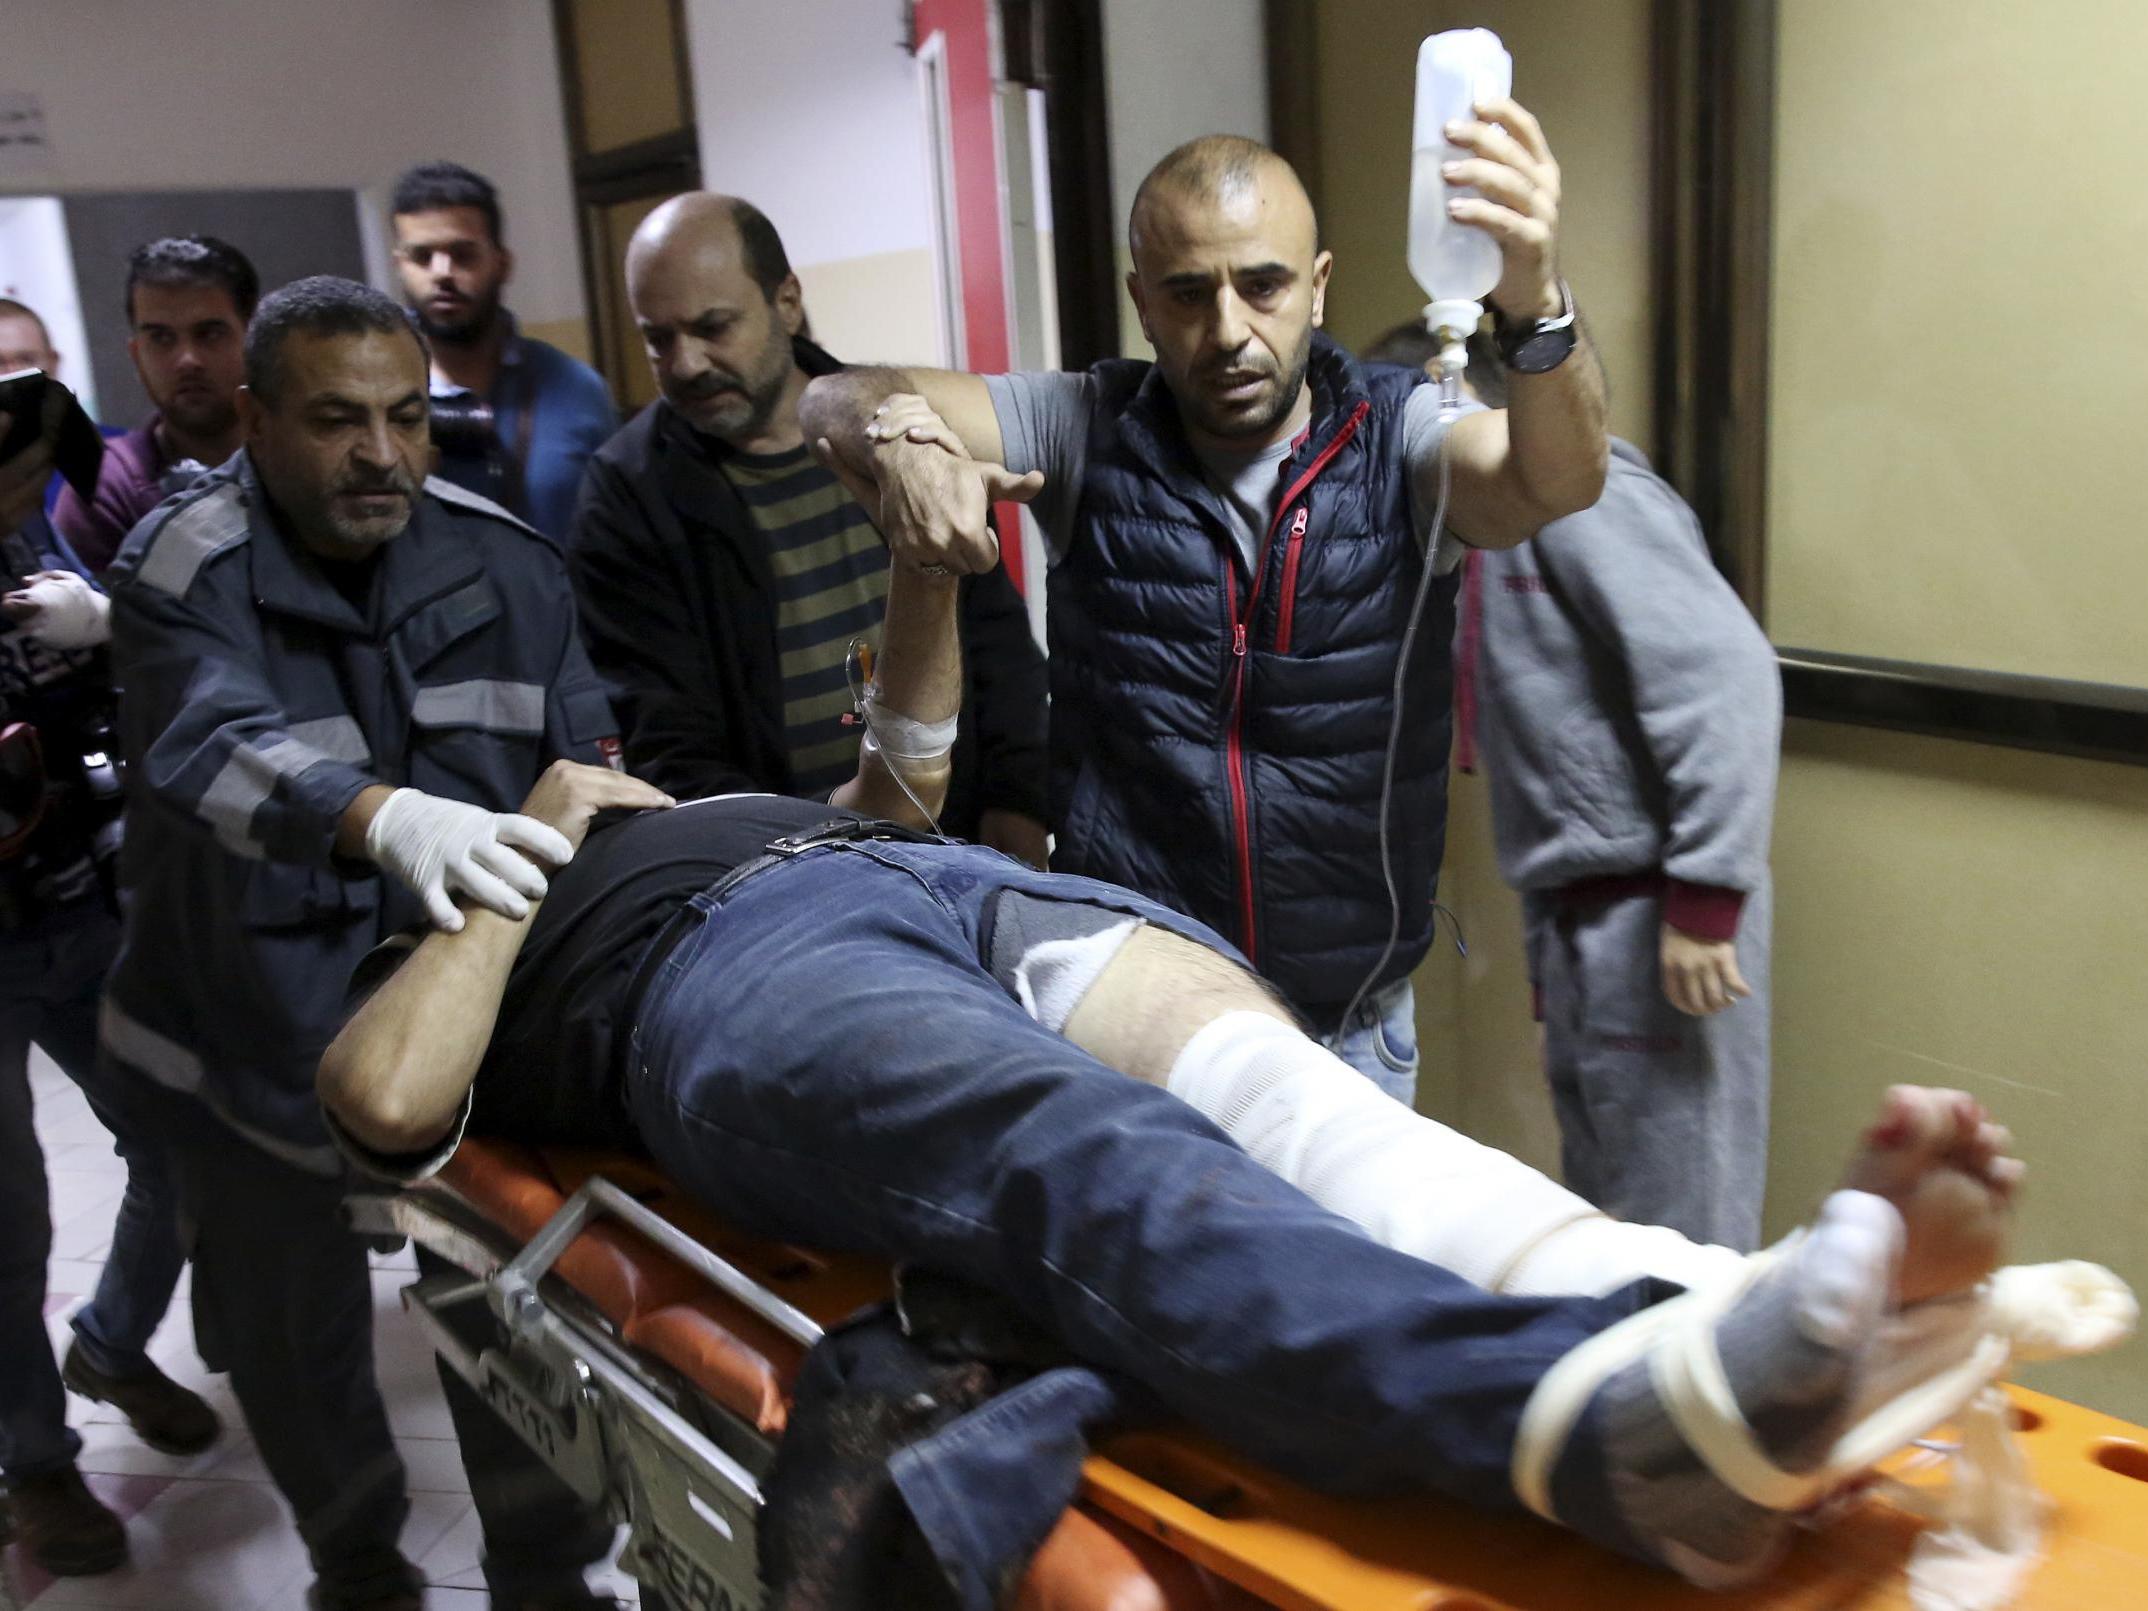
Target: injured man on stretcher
{"x":923,"y":1050}
{"x":841,"y":1032}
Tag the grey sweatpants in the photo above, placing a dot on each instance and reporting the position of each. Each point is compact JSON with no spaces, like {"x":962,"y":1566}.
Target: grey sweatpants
{"x":1663,"y":1118}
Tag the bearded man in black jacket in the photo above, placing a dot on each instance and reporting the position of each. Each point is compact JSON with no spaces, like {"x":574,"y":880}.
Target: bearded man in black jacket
{"x":723,"y":572}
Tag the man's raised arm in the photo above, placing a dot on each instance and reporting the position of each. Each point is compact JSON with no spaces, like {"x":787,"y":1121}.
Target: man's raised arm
{"x":396,"y":1075}
{"x":1544,"y":455}
{"x":915,"y":694}
{"x":931,"y":488}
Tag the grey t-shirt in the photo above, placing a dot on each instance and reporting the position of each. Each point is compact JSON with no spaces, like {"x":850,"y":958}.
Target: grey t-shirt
{"x":1044,"y":425}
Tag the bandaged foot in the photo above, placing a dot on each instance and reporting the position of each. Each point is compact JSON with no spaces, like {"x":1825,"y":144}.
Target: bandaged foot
{"x":1691,"y":1433}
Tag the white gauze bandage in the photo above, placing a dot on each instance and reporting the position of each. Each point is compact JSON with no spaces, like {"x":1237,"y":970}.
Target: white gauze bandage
{"x":1054,"y":975}
{"x":1412,"y":1183}
{"x":904,"y":738}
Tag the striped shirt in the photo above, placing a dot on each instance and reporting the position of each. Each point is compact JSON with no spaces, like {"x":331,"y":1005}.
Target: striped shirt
{"x":831,"y":575}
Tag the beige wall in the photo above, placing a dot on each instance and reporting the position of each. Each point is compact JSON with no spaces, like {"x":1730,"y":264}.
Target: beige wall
{"x":789,"y":96}
{"x":1945,"y":912}
{"x":1963,"y":915}
{"x":1955,"y":483}
{"x":864,"y":309}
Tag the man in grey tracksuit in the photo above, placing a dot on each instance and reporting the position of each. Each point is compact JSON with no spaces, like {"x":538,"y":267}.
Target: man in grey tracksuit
{"x":1630,"y":713}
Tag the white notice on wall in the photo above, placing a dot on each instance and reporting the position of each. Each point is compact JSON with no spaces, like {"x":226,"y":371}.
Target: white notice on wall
{"x":25,"y":147}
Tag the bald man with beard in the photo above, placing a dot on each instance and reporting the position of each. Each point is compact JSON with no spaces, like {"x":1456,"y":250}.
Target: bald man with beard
{"x":1242,"y":535}
{"x":723,"y":573}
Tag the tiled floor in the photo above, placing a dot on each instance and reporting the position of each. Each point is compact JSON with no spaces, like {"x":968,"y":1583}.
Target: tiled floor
{"x":209,"y":1533}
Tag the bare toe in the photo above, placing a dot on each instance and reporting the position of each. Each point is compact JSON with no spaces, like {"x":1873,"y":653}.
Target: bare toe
{"x":1916,"y":1128}
{"x":1991,"y":1143}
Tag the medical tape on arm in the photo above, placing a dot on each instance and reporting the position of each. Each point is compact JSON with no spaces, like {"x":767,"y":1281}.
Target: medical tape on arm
{"x":904,"y":738}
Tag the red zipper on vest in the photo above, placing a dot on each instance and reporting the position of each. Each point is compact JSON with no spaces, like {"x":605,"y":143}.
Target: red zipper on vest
{"x":1298,"y":524}
{"x":1234,"y":740}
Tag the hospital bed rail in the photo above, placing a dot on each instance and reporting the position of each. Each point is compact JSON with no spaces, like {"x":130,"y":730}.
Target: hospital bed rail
{"x":646,"y":1351}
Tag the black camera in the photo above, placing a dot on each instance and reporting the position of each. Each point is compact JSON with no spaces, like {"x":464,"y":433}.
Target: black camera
{"x":466,"y":435}
{"x":464,"y":426}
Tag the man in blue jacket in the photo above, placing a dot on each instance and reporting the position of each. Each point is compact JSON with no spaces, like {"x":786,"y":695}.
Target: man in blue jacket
{"x":1239,"y":532}
{"x":340,"y":677}
{"x":515,"y":419}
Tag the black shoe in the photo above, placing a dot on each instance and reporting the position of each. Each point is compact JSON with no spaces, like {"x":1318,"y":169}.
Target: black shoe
{"x":164,"y":1415}
{"x":63,"y":1526}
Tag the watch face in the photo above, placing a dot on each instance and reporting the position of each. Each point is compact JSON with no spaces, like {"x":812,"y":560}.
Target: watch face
{"x":1542,"y":351}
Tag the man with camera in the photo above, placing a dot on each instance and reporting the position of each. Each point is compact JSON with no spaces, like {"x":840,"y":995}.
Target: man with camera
{"x":514,"y":418}
{"x":59,"y":825}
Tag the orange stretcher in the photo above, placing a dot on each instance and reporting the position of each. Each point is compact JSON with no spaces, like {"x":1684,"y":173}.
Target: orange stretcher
{"x":647,"y":1353}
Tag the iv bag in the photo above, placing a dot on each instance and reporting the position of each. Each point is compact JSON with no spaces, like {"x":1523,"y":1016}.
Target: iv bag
{"x":1453,"y":262}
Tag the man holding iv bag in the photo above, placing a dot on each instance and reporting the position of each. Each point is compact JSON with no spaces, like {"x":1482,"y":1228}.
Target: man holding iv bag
{"x":1253,"y":544}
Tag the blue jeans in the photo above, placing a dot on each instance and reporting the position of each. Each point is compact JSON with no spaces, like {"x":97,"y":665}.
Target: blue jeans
{"x":1380,"y":1042}
{"x":824,"y":1057}
{"x":50,"y":978}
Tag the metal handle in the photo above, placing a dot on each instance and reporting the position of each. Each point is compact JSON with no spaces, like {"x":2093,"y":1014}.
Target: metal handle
{"x":597,"y":1195}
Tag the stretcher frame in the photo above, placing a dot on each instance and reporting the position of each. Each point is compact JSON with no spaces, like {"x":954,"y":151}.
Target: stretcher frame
{"x":626,"y":1435}
{"x":1165,"y":1519}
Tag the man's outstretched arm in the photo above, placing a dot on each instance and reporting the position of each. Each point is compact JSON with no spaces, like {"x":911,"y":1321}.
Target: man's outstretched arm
{"x":839,"y":406}
{"x":931,"y":487}
{"x":395,"y":1076}
{"x":1544,"y":455}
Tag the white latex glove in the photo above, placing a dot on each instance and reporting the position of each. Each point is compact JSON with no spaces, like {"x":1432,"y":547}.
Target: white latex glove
{"x":437,"y":846}
{"x":62,"y":611}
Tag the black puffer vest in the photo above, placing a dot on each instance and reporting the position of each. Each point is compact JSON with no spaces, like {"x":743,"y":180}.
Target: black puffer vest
{"x":1218,"y":738}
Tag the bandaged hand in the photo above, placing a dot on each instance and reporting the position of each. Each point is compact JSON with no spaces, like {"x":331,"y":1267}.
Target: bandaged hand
{"x":60,"y":610}
{"x":439,"y":847}
{"x":1700,"y":976}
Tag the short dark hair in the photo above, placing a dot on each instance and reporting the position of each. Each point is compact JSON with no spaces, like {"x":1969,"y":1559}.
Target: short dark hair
{"x":761,"y":247}
{"x":1412,"y":346}
{"x":184,"y":261}
{"x":321,"y":305}
{"x":1210,"y":164}
{"x":433,"y":185}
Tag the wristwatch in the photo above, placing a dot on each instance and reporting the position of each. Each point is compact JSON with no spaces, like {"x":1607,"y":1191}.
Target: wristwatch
{"x":1537,"y":346}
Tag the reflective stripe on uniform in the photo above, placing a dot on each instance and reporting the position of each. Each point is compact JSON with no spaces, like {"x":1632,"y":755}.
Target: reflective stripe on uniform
{"x":340,"y":738}
{"x":174,"y":1067}
{"x":247,"y":778}
{"x":490,"y":703}
{"x":477,"y":503}
{"x":184,"y":543}
{"x":138,"y":1046}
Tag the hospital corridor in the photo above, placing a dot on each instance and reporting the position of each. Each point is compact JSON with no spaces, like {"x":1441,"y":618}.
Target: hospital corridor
{"x":1073,"y":805}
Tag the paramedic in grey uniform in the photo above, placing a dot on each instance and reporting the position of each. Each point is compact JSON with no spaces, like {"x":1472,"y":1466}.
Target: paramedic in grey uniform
{"x":1630,"y":714}
{"x":340,"y":678}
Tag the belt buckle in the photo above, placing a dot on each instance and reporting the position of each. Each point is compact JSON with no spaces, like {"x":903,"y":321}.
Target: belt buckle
{"x":838,"y":830}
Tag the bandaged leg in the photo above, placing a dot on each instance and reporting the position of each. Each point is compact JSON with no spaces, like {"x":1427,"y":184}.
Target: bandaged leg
{"x":1227,"y":1051}
{"x":1413,"y":1183}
